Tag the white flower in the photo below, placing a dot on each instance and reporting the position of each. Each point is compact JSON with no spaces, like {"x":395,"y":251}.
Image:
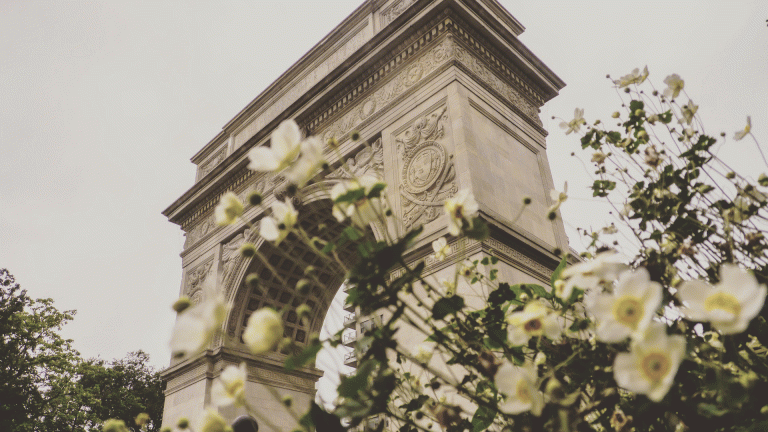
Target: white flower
{"x":730,"y":305}
{"x":285,"y":145}
{"x":689,"y":111}
{"x":634,"y":77}
{"x":441,"y":248}
{"x":558,"y":197}
{"x":518,"y":385}
{"x":363,"y":209}
{"x":628,"y":310}
{"x":674,"y":85}
{"x":264,"y":330}
{"x":450,"y":288}
{"x":229,"y":388}
{"x":461,"y":209}
{"x":423,"y":352}
{"x":651,"y":365}
{"x":276,"y":228}
{"x":742,"y":133}
{"x":536,"y":319}
{"x":604,"y":268}
{"x":610,"y":229}
{"x":212,"y":421}
{"x":196,"y":326}
{"x":599,"y":157}
{"x":228,"y":210}
{"x":309,"y":162}
{"x":575,"y":124}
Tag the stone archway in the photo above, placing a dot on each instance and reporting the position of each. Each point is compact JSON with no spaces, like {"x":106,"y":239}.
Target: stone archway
{"x":448,"y":98}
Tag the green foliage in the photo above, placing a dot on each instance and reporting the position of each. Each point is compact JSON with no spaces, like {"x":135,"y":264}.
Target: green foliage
{"x":46,"y":386}
{"x":32,"y":354}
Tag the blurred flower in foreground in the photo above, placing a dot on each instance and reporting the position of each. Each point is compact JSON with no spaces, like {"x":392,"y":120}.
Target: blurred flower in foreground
{"x":114,"y":425}
{"x":536,"y":319}
{"x":196,"y":326}
{"x":359,"y":200}
{"x":674,"y":85}
{"x":742,"y":133}
{"x":604,"y":268}
{"x":441,"y":248}
{"x":558,"y":197}
{"x":308,"y":163}
{"x":628,"y":310}
{"x":285,"y":146}
{"x":575,"y":124}
{"x":518,"y":385}
{"x":650,"y":366}
{"x":634,"y":77}
{"x":228,"y":210}
{"x":263,"y":331}
{"x":730,"y":305}
{"x":212,"y":421}
{"x":229,"y":388}
{"x":461,"y":209}
{"x":275,"y":228}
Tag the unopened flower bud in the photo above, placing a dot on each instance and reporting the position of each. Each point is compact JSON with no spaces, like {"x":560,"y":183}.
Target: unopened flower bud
{"x":639,"y":112}
{"x":252,"y":280}
{"x":304,"y":311}
{"x":182,"y":423}
{"x":302,"y":286}
{"x":181,"y":304}
{"x":142,"y":419}
{"x":287,"y":401}
{"x":254,"y":198}
{"x":314,"y":338}
{"x":642,"y":135}
{"x":354,"y":135}
{"x":615,"y":114}
{"x":166,"y":429}
{"x":114,"y":425}
{"x":551,"y":215}
{"x":527,"y":200}
{"x":332,"y":142}
{"x":247,"y":250}
{"x":309,"y":270}
{"x":523,"y":297}
{"x":730,"y":175}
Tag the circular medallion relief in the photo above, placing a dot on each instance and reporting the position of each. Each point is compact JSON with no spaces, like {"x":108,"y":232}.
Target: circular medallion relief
{"x":424,"y":167}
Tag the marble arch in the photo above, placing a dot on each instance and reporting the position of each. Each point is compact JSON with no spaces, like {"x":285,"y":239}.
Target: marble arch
{"x":447,"y":97}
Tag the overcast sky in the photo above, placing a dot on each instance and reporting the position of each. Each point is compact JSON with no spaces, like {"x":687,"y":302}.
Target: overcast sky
{"x":103,"y":104}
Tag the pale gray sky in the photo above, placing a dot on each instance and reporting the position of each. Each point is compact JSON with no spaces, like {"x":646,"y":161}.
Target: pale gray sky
{"x":103,"y":104}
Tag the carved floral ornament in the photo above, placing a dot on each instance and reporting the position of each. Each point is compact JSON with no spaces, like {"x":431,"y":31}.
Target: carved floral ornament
{"x":428,"y":176}
{"x":195,"y":281}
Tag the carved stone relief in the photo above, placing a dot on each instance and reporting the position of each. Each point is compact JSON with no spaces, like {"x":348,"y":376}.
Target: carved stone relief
{"x":230,"y":258}
{"x":490,"y":78}
{"x":388,"y":15}
{"x":427,"y":175}
{"x":368,"y":161}
{"x":395,"y":87}
{"x":208,"y":166}
{"x":199,"y":231}
{"x":193,"y":288}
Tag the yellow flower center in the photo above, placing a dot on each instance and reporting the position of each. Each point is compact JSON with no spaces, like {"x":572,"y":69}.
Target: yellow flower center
{"x":523,"y":392}
{"x":628,"y":310}
{"x":655,"y":366}
{"x":235,"y":388}
{"x":723,"y":301}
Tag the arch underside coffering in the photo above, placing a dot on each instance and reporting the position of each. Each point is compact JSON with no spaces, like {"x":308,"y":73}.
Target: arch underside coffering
{"x":286,"y":266}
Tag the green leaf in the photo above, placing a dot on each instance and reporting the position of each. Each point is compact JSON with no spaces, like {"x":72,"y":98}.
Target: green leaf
{"x":351,"y":386}
{"x":375,"y":191}
{"x":351,"y":196}
{"x":307,"y":355}
{"x":415,"y":404}
{"x":446,"y":306}
{"x":557,"y":272}
{"x":483,"y":418}
{"x":539,"y":291}
{"x":352,"y":233}
{"x":479,"y":230}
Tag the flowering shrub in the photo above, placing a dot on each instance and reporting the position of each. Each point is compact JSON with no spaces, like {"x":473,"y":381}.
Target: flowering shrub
{"x":671,"y":338}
